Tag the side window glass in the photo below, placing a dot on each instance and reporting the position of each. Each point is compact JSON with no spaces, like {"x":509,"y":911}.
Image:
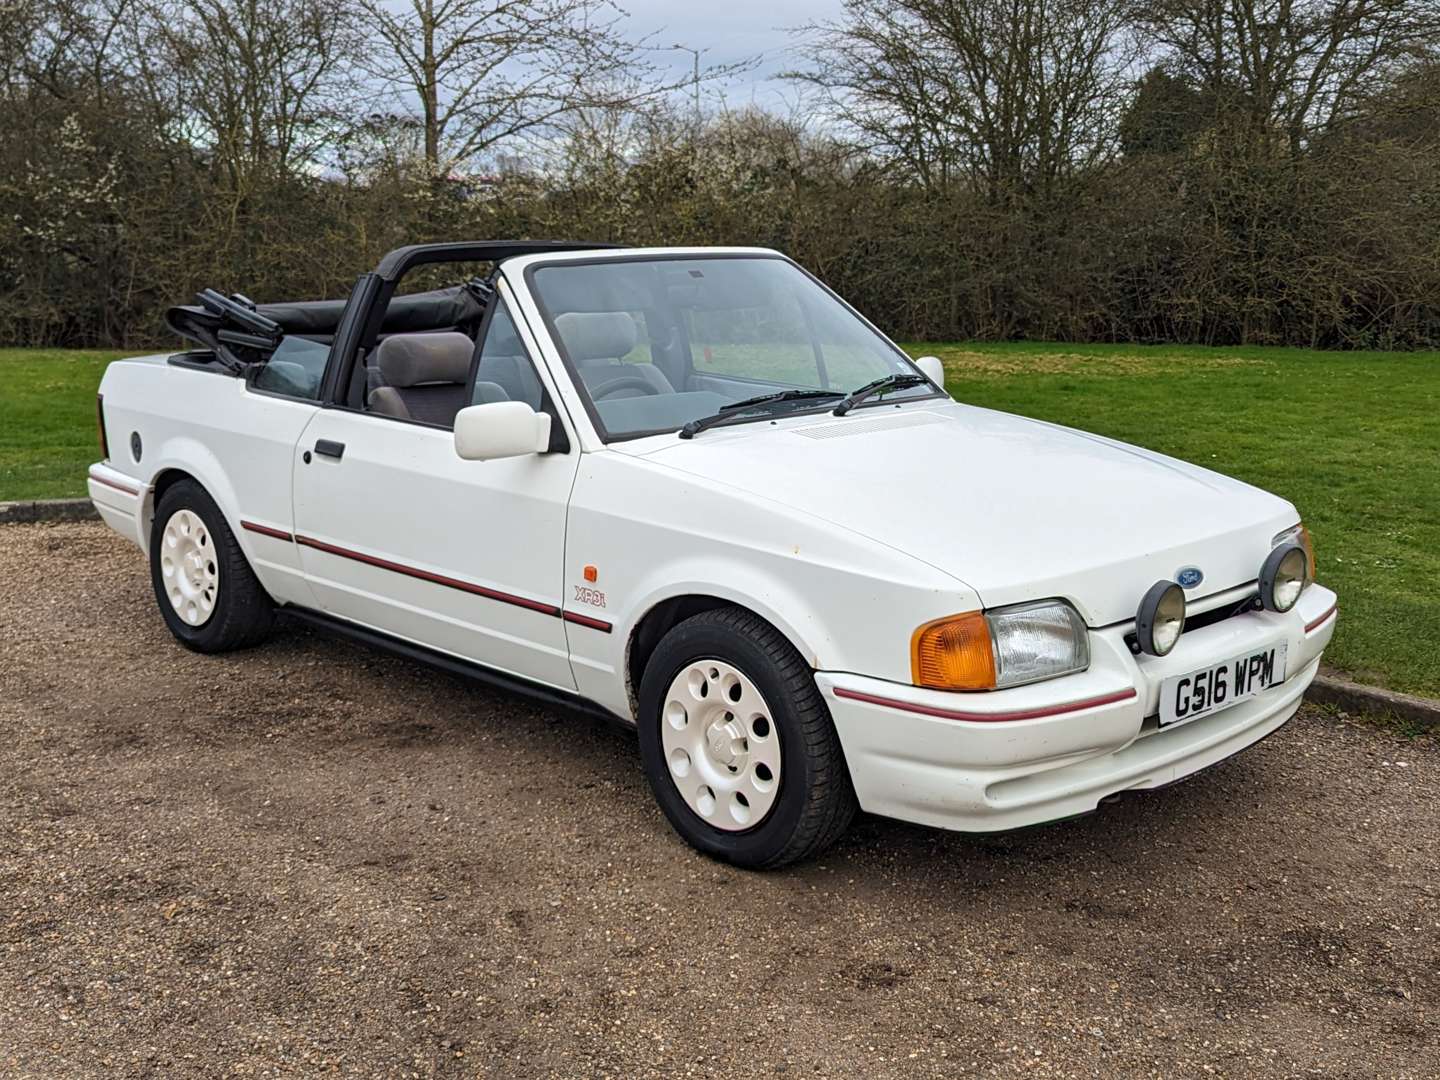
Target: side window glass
{"x":294,"y":369}
{"x":504,"y":371}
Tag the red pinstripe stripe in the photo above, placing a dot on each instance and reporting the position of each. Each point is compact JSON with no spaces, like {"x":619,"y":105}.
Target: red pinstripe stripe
{"x":266,"y":530}
{"x":957,"y":714}
{"x":1323,"y":619}
{"x":585,"y":620}
{"x":114,"y":484}
{"x":437,"y":579}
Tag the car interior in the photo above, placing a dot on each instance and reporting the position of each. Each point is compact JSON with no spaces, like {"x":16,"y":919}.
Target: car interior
{"x":656,"y":343}
{"x":424,"y":376}
{"x":659,"y":342}
{"x":597,"y":342}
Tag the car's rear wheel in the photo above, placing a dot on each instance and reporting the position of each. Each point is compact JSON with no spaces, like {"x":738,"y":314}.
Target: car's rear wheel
{"x":208,"y":595}
{"x":738,"y":745}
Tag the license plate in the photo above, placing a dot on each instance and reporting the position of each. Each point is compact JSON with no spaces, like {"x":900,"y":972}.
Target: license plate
{"x":1200,"y":693}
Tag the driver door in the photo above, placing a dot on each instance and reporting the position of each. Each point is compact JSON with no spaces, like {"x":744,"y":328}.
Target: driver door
{"x":399,"y":534}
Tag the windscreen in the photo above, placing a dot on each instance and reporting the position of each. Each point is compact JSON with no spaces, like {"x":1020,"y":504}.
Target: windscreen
{"x":657,"y":343}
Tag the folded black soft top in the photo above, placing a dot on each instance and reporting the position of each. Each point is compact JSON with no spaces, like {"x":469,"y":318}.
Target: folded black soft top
{"x":440,"y":309}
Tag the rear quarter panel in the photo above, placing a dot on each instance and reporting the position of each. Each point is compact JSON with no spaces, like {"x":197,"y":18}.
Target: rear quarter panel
{"x":238,"y":444}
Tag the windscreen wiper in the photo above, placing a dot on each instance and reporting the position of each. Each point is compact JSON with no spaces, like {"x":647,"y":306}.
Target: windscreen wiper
{"x":783,"y":395}
{"x":901,"y":380}
{"x":725,"y":412}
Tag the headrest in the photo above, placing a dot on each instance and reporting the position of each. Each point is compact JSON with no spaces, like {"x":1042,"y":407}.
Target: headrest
{"x":596,"y":335}
{"x":412,"y":359}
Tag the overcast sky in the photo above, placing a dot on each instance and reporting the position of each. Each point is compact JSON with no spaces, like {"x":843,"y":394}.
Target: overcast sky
{"x":731,"y":30}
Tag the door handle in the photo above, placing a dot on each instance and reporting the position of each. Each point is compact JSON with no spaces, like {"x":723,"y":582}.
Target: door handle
{"x":330,"y":448}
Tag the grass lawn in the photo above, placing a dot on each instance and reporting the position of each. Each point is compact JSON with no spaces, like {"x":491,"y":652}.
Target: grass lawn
{"x":47,"y":420}
{"x":1353,"y":439}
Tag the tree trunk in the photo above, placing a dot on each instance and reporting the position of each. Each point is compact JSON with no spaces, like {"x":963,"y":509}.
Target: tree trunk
{"x":430,"y":94}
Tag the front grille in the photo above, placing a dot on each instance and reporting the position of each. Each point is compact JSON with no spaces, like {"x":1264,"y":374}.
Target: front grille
{"x":1221,"y":613}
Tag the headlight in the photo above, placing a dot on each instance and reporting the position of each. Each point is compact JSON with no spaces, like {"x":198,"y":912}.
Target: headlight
{"x":1283,"y":577}
{"x":1160,"y":618}
{"x":1298,"y":534}
{"x":989,"y":650}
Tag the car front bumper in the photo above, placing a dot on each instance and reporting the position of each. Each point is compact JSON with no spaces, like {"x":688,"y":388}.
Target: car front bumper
{"x":1012,"y":758}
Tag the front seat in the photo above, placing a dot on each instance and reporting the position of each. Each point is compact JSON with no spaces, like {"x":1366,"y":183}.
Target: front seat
{"x":425,"y":376}
{"x":595,"y":341}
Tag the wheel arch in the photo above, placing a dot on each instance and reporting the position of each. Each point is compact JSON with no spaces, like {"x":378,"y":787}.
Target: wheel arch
{"x":188,"y":459}
{"x":167,"y":477}
{"x":666,"y":613}
{"x":164,"y":480}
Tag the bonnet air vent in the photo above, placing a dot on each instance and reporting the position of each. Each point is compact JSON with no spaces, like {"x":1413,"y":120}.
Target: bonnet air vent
{"x":842,"y":428}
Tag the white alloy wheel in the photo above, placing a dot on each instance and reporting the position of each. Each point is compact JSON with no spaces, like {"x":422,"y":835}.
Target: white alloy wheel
{"x":720,"y":745}
{"x":189,"y":567}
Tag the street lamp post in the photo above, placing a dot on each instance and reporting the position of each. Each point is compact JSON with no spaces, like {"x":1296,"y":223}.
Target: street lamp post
{"x":695,"y":81}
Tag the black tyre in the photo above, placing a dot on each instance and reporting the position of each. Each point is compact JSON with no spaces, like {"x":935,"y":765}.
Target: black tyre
{"x":208,"y":595}
{"x":738,"y":745}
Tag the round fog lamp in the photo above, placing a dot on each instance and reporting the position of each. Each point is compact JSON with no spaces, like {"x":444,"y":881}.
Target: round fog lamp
{"x":1161,"y":618}
{"x":1282,"y":577}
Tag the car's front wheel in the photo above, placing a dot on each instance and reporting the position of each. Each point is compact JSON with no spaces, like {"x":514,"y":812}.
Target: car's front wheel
{"x":738,"y":745}
{"x":208,"y":595}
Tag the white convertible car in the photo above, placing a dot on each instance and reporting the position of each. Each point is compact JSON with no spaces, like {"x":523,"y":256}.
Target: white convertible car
{"x":693,"y":490}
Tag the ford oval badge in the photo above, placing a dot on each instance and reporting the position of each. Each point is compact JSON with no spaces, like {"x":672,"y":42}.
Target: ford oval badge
{"x":1187,"y":577}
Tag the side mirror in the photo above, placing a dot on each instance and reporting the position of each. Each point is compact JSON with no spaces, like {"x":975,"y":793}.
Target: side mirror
{"x":932,"y":369}
{"x":500,"y":429}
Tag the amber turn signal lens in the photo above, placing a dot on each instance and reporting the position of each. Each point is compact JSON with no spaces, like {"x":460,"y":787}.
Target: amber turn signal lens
{"x":1298,"y":534}
{"x":953,"y":654}
{"x":1309,"y":547}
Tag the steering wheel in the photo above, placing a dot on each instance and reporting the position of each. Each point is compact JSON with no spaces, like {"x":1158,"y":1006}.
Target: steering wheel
{"x":625,"y":382}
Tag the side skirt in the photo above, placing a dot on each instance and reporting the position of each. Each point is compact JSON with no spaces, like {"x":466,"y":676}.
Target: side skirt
{"x":454,"y":665}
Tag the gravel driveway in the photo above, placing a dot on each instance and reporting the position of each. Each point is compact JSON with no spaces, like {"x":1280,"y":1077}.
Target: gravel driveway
{"x":314,"y":857}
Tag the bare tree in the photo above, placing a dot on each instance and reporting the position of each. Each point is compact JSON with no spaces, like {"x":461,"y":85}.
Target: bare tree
{"x":1008,"y":95}
{"x":483,"y":71}
{"x":1289,"y":67}
{"x":260,"y":85}
{"x":62,"y":47}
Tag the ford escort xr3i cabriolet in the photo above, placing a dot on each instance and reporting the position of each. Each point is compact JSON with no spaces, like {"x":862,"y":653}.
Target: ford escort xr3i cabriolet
{"x":693,"y":490}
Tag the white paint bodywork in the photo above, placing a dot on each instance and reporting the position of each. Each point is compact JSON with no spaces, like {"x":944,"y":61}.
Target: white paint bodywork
{"x":845,"y":533}
{"x":500,"y":429}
